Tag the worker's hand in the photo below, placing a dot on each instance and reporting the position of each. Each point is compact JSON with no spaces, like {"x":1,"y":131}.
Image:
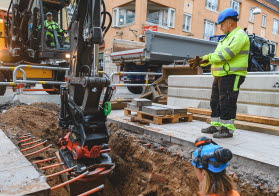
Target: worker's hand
{"x":196,"y":62}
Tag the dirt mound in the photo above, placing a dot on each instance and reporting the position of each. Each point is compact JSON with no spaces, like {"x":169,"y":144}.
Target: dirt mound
{"x":41,"y":120}
{"x":34,"y":119}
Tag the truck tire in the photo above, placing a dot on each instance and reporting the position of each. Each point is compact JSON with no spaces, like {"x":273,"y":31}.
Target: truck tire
{"x":135,"y":89}
{"x":2,"y":87}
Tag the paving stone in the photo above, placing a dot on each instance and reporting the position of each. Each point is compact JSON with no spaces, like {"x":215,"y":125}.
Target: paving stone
{"x":155,"y":110}
{"x":175,"y":109}
{"x":142,"y":102}
{"x":134,"y":107}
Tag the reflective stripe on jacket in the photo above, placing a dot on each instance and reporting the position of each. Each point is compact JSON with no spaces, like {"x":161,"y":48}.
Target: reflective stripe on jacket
{"x":231,"y":54}
{"x":52,"y":26}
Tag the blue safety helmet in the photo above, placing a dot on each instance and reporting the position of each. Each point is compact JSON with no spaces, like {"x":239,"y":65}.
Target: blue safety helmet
{"x":229,"y":12}
{"x":210,"y":156}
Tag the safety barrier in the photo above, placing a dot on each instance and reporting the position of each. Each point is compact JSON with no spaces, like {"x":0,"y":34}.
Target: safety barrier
{"x":24,"y":80}
{"x":147,"y":74}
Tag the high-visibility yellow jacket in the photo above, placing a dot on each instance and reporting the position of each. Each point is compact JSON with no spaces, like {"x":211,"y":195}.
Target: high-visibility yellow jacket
{"x":51,"y":26}
{"x":231,"y":54}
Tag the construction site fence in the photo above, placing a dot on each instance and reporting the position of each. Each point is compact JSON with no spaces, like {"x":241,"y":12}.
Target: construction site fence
{"x":25,"y":80}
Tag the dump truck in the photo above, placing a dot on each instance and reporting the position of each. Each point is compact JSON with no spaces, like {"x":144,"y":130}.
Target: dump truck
{"x":164,"y":49}
{"x":24,"y":42}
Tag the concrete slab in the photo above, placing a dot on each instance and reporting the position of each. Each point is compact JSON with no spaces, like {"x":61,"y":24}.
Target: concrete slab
{"x":134,"y":107}
{"x":260,"y":148}
{"x":141,"y":102}
{"x":174,"y":109}
{"x":17,"y":174}
{"x":156,"y":110}
{"x":258,"y":95}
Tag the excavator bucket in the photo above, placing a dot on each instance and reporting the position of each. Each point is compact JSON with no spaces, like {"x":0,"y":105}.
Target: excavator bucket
{"x":157,"y":91}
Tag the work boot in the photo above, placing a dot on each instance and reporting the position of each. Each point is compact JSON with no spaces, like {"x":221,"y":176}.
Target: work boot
{"x":223,"y":133}
{"x":211,"y":129}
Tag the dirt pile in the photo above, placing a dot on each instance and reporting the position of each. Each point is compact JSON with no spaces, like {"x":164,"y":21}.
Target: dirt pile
{"x":41,"y":120}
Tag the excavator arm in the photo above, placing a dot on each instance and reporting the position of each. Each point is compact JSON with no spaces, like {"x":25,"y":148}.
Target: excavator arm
{"x":81,"y":112}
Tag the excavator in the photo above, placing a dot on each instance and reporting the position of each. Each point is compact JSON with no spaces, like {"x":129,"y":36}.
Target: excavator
{"x":84,"y":147}
{"x":24,"y":41}
{"x":85,"y":99}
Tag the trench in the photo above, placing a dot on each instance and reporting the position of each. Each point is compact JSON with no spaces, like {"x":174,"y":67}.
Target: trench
{"x":160,"y":170}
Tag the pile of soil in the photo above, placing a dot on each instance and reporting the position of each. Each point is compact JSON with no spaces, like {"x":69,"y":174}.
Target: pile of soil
{"x":41,"y":120}
{"x":140,"y":170}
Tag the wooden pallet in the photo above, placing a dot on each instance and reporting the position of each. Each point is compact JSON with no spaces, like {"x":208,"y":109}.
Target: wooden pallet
{"x":159,"y":120}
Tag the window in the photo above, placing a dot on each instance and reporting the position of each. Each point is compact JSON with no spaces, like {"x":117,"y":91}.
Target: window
{"x":187,"y":22}
{"x":251,"y":16}
{"x":275,"y":45}
{"x":235,"y":5}
{"x":123,"y":17}
{"x":212,"y":4}
{"x":209,"y":29}
{"x":264,"y":20}
{"x":275,"y":27}
{"x":171,"y":17}
{"x":161,"y":17}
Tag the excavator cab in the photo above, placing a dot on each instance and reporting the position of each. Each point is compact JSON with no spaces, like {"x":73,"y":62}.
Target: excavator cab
{"x":54,"y":35}
{"x":32,"y":35}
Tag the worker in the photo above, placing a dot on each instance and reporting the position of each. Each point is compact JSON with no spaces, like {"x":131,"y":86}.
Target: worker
{"x":210,"y":161}
{"x":50,"y":26}
{"x":229,"y":65}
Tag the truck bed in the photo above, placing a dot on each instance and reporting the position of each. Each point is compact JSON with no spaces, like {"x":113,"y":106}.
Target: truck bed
{"x":162,"y":48}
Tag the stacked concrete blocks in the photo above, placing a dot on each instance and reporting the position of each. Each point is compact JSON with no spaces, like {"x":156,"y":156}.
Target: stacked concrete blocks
{"x":137,"y":104}
{"x":148,"y":107}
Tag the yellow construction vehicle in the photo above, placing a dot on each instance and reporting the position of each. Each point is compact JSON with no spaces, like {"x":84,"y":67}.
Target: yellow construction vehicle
{"x":24,"y":43}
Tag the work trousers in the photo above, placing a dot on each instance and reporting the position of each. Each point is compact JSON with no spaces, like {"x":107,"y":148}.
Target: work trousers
{"x":224,"y":96}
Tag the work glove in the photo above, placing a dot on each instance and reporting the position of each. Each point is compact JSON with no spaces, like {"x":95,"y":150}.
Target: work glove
{"x":196,"y":62}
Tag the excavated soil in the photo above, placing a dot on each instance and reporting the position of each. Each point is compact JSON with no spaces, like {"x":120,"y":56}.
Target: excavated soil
{"x":39,"y":119}
{"x":140,"y":169}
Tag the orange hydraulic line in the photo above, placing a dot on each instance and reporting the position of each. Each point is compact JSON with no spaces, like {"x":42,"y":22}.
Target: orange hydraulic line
{"x":93,"y":190}
{"x":31,"y":147}
{"x":24,"y":137}
{"x":61,"y":172}
{"x":98,"y":170}
{"x":27,"y":134}
{"x":45,"y":160}
{"x":51,"y":166}
{"x":20,"y":141}
{"x":105,"y":151}
{"x":69,"y":181}
{"x":38,"y":151}
{"x":30,"y":143}
{"x":38,"y":90}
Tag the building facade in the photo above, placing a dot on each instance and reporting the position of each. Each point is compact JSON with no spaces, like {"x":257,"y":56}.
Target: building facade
{"x":195,"y":18}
